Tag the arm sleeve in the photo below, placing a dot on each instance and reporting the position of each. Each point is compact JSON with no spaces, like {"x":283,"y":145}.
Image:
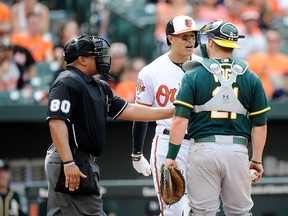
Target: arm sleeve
{"x":62,"y":99}
{"x":258,"y":120}
{"x":182,"y":111}
{"x":115,"y":104}
{"x":145,"y":93}
{"x":139,"y":130}
{"x":259,"y":107}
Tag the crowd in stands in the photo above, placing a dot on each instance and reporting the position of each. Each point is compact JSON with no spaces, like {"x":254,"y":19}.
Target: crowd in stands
{"x":26,"y":42}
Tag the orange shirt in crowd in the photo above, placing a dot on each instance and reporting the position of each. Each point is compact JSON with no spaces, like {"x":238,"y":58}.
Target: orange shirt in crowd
{"x":126,"y":90}
{"x":265,"y":66}
{"x":208,"y":14}
{"x":165,"y":12}
{"x":5,"y":14}
{"x":274,"y":6}
{"x":37,"y":45}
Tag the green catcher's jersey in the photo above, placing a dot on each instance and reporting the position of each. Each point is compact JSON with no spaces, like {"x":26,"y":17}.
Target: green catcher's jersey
{"x":199,"y":86}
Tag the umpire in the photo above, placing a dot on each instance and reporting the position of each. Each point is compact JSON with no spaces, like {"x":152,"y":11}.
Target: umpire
{"x":77,"y":110}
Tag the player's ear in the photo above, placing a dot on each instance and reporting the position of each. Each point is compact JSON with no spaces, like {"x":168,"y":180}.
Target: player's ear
{"x":211,"y":43}
{"x":82,"y":60}
{"x":170,"y":38}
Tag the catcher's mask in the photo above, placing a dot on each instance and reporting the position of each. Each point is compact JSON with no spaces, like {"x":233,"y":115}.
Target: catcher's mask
{"x":87,"y":45}
{"x":179,"y":25}
{"x":222,"y":32}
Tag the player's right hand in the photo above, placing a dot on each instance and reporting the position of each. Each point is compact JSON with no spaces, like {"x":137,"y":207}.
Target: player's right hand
{"x":140,"y":164}
{"x":170,"y":162}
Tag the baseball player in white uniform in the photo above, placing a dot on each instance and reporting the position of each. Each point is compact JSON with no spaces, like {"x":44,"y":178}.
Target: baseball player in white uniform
{"x":157,"y":85}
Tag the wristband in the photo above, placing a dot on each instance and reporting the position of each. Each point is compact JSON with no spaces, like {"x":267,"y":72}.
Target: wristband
{"x":68,"y":163}
{"x":256,"y":162}
{"x":173,"y":151}
{"x":136,"y":157}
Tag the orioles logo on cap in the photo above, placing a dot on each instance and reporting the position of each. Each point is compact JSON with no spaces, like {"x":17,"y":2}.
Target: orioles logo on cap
{"x":188,"y":22}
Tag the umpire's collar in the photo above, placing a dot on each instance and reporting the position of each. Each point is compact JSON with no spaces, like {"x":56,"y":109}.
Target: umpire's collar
{"x":85,"y":77}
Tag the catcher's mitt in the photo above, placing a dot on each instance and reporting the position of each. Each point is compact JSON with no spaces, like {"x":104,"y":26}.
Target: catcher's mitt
{"x":172,"y":184}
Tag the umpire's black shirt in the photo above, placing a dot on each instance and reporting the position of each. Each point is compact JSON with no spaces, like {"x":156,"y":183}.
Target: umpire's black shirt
{"x":84,"y":103}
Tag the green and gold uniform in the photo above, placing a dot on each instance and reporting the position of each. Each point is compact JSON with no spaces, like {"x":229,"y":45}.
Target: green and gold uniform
{"x":199,"y":86}
{"x":10,"y":204}
{"x":226,"y":106}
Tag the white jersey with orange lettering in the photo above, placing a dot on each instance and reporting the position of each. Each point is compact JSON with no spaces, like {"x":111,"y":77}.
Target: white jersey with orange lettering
{"x":157,"y":86}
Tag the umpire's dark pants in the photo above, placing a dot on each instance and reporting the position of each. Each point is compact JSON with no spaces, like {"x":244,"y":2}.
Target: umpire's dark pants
{"x":64,"y":204}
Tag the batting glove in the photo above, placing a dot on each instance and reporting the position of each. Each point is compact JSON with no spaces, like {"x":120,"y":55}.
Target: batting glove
{"x":140,"y":164}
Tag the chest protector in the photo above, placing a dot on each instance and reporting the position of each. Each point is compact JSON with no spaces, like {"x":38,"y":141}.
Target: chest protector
{"x":225,"y":99}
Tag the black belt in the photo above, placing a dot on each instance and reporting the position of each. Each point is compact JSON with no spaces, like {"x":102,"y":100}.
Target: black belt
{"x":167,"y":132}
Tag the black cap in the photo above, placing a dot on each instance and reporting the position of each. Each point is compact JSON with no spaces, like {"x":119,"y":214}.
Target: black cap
{"x":81,"y":46}
{"x":4,"y":164}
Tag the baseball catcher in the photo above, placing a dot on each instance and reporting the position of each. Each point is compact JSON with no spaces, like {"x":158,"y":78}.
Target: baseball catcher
{"x":172,"y":184}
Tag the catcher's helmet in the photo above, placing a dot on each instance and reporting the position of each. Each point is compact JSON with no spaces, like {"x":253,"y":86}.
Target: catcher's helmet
{"x":87,"y":45}
{"x":181,"y":24}
{"x":222,"y":32}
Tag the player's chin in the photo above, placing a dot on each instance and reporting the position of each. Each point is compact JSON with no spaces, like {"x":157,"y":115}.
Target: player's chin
{"x":188,"y":51}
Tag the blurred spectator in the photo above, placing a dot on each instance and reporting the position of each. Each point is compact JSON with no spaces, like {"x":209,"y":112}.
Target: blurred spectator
{"x":152,"y":208}
{"x":275,"y":7}
{"x":10,"y":200}
{"x":5,"y":13}
{"x":282,"y":7}
{"x":195,"y":12}
{"x":10,"y":71}
{"x":58,"y":63}
{"x":165,"y":11}
{"x":211,"y":10}
{"x":234,"y":10}
{"x":69,"y":30}
{"x":281,"y":93}
{"x":264,"y":9}
{"x":119,"y":63}
{"x":22,"y":56}
{"x":254,"y":40}
{"x":127,"y":88}
{"x":40,"y":48}
{"x":270,"y":65}
{"x":100,"y":17}
{"x":21,"y":10}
